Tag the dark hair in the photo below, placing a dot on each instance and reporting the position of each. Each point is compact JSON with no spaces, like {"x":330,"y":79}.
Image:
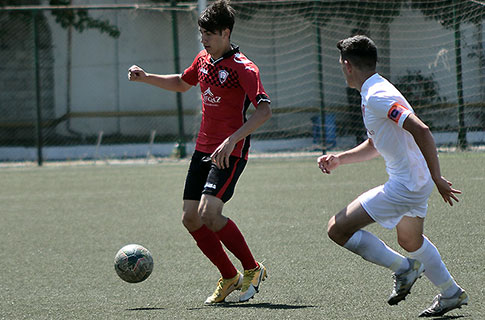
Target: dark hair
{"x":217,"y":17}
{"x":360,"y":50}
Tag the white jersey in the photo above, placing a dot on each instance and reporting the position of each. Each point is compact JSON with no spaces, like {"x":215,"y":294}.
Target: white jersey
{"x":384,"y":110}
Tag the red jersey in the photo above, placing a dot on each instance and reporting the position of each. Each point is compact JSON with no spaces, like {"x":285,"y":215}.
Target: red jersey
{"x":228,"y":86}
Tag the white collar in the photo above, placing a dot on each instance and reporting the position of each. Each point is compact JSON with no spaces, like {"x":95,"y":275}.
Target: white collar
{"x":369,"y":82}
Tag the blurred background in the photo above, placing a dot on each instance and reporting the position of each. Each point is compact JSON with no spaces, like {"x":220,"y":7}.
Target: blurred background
{"x":64,"y":92}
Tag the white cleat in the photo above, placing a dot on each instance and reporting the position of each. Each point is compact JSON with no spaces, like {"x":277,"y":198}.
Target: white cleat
{"x":441,"y":305}
{"x":404,"y":281}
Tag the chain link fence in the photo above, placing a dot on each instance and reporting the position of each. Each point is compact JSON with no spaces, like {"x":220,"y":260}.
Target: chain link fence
{"x":64,"y":92}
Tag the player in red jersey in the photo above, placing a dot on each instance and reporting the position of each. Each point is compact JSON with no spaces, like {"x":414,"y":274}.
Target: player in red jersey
{"x":229,"y":83}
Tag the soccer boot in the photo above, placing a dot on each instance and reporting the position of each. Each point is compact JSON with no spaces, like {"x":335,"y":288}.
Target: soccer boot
{"x":441,"y":305}
{"x":252,"y":279}
{"x":224,"y":288}
{"x":404,"y":281}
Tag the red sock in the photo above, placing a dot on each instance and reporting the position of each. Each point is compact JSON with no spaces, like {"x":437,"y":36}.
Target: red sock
{"x":234,"y":241}
{"x":210,"y":245}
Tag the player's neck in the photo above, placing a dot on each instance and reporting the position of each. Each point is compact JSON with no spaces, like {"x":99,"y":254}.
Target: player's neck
{"x":219,"y":53}
{"x":362,"y":78}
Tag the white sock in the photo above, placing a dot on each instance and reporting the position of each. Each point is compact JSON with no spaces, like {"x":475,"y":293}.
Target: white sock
{"x":372,"y":249}
{"x":435,"y":269}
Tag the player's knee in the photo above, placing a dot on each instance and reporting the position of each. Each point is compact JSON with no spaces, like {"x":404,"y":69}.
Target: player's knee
{"x":207,"y":218}
{"x":333,"y":231}
{"x":410,"y":243}
{"x":191,"y":221}
{"x":337,"y":232}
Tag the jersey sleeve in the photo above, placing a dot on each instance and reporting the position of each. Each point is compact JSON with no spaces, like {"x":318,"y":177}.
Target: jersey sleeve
{"x":251,"y":83}
{"x":391,"y":109}
{"x":190,"y":75}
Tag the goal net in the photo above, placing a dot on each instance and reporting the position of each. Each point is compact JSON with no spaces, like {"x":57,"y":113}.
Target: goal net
{"x":63,"y":83}
{"x":431,"y":50}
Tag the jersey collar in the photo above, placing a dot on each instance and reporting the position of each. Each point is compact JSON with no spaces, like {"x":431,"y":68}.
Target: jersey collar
{"x":369,"y":82}
{"x":234,"y":50}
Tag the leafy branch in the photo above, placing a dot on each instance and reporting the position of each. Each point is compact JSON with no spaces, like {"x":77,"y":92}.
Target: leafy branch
{"x":80,"y":20}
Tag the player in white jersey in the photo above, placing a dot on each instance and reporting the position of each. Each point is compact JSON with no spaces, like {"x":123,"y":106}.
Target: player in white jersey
{"x":409,"y":151}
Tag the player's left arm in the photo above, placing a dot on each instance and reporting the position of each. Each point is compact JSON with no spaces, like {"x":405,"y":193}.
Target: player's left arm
{"x":425,"y":141}
{"x":221,"y":155}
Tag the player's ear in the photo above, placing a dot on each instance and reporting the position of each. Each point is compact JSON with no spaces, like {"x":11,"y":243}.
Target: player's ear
{"x":226,"y":33}
{"x":347,"y":65}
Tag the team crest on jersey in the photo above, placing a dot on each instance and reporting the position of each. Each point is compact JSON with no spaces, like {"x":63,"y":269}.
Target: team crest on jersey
{"x":223,"y":74}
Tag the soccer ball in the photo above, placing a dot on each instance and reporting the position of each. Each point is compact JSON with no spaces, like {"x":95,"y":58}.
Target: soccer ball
{"x":133,"y":263}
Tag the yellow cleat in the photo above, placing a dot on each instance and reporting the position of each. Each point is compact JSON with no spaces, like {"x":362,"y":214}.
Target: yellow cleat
{"x":252,"y":279}
{"x":224,"y":288}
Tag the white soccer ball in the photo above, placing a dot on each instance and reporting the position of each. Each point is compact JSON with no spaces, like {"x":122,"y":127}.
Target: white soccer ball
{"x":133,"y":263}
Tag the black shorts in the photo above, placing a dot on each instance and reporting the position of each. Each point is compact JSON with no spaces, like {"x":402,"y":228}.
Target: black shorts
{"x":204,"y":177}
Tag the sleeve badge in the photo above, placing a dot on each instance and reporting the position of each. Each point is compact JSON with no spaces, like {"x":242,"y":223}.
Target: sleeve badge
{"x":396,"y":112}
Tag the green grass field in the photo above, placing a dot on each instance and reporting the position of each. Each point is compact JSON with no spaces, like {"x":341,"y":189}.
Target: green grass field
{"x":61,"y":227}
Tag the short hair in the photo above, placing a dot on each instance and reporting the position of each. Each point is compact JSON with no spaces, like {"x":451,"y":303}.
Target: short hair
{"x":360,"y":50}
{"x":217,"y":17}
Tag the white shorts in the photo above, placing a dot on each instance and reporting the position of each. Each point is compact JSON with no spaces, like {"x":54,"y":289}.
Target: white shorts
{"x":388,"y":203}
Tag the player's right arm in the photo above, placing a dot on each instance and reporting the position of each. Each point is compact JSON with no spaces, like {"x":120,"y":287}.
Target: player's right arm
{"x":363,"y":152}
{"x":172,"y":82}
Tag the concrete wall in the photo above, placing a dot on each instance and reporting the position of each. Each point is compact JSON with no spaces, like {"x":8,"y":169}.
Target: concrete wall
{"x":282,"y":44}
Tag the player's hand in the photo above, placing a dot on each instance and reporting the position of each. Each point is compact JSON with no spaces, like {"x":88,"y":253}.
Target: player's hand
{"x":328,"y":163}
{"x":220,"y":157}
{"x":135,"y":73}
{"x":446,"y":191}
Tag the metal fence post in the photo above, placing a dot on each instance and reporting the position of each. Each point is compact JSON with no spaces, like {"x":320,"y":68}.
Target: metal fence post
{"x":181,"y":151}
{"x":38,"y":124}
{"x":320,"y":89}
{"x":462,"y":143}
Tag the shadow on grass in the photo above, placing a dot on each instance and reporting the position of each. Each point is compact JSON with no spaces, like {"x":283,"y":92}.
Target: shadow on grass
{"x":448,"y":317}
{"x":263,"y":305}
{"x":144,"y":309}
